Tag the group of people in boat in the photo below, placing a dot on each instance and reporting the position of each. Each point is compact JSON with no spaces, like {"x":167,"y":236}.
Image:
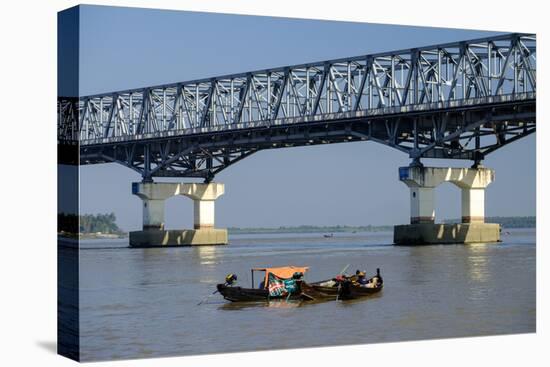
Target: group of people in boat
{"x":362,"y":280}
{"x":359,"y":279}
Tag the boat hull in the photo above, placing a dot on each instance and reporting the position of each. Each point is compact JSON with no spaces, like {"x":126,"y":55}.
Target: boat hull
{"x":346,"y":290}
{"x":240,"y":294}
{"x":350,"y":291}
{"x":318,"y":291}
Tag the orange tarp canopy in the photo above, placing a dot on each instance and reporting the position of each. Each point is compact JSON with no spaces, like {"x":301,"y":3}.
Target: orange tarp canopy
{"x":284,"y":272}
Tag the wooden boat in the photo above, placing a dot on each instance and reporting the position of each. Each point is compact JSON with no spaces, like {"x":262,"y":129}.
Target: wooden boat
{"x":240,"y":294}
{"x":343,"y":288}
{"x":234,"y":293}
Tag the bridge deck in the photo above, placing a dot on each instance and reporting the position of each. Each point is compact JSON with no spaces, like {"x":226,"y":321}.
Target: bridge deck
{"x":457,"y":100}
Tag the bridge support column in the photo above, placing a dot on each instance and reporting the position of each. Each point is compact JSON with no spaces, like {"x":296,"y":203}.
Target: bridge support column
{"x":423,"y":230}
{"x":204,"y":196}
{"x":422,"y":204}
{"x":153,"y":197}
{"x":473,"y":205}
{"x":154,"y":194}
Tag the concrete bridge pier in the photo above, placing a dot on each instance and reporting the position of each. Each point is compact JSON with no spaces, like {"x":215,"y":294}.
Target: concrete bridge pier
{"x":154,"y":195}
{"x":422,"y":182}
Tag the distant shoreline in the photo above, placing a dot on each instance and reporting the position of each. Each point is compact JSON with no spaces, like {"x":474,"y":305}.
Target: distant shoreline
{"x":309,"y":229}
{"x":505,"y":222}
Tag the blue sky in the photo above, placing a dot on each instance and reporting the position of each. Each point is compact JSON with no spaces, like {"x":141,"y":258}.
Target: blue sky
{"x":353,"y":183}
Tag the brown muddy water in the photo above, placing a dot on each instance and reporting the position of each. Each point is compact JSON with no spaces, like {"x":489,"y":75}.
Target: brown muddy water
{"x":138,"y":303}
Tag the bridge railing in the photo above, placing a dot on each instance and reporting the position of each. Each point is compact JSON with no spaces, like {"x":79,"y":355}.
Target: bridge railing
{"x":477,"y":70}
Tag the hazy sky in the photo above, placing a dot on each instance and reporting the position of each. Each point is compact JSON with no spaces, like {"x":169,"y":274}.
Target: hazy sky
{"x":352,"y":183}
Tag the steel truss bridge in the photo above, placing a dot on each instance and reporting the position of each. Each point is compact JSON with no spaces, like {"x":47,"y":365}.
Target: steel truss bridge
{"x":460,"y":100}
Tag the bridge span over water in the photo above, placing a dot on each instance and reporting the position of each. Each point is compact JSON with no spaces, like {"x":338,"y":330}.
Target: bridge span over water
{"x":460,"y":100}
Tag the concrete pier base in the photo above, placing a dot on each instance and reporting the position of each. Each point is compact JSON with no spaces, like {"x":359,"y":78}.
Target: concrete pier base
{"x":154,"y":234}
{"x":431,"y":233}
{"x":422,"y":182}
{"x":178,"y":237}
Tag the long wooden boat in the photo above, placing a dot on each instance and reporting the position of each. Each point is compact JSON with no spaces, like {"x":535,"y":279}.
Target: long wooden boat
{"x":343,"y":288}
{"x":240,"y":294}
{"x":234,"y":293}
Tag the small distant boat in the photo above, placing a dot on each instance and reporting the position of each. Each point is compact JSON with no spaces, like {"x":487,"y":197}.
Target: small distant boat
{"x":328,"y":235}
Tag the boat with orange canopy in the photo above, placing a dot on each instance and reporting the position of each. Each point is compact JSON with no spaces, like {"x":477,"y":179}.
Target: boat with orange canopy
{"x":277,"y":283}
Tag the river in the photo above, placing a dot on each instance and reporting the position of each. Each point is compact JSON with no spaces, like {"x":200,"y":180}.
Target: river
{"x":138,"y":303}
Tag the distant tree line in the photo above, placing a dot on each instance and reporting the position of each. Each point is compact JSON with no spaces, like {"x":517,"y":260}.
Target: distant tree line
{"x":507,"y":222}
{"x":88,"y":223}
{"x":311,"y":229}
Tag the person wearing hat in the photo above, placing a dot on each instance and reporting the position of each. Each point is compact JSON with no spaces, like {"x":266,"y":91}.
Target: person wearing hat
{"x":361,"y":277}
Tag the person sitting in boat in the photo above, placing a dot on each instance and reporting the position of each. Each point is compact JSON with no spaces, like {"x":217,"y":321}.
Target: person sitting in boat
{"x":340,"y":278}
{"x":361,"y":278}
{"x":372,"y":283}
{"x":291,"y":285}
{"x":230,"y":279}
{"x":375,"y":281}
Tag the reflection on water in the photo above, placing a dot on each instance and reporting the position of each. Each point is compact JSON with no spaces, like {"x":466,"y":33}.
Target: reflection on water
{"x":143,"y":302}
{"x":274,"y":303}
{"x":207,"y":255}
{"x":478,"y":262}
